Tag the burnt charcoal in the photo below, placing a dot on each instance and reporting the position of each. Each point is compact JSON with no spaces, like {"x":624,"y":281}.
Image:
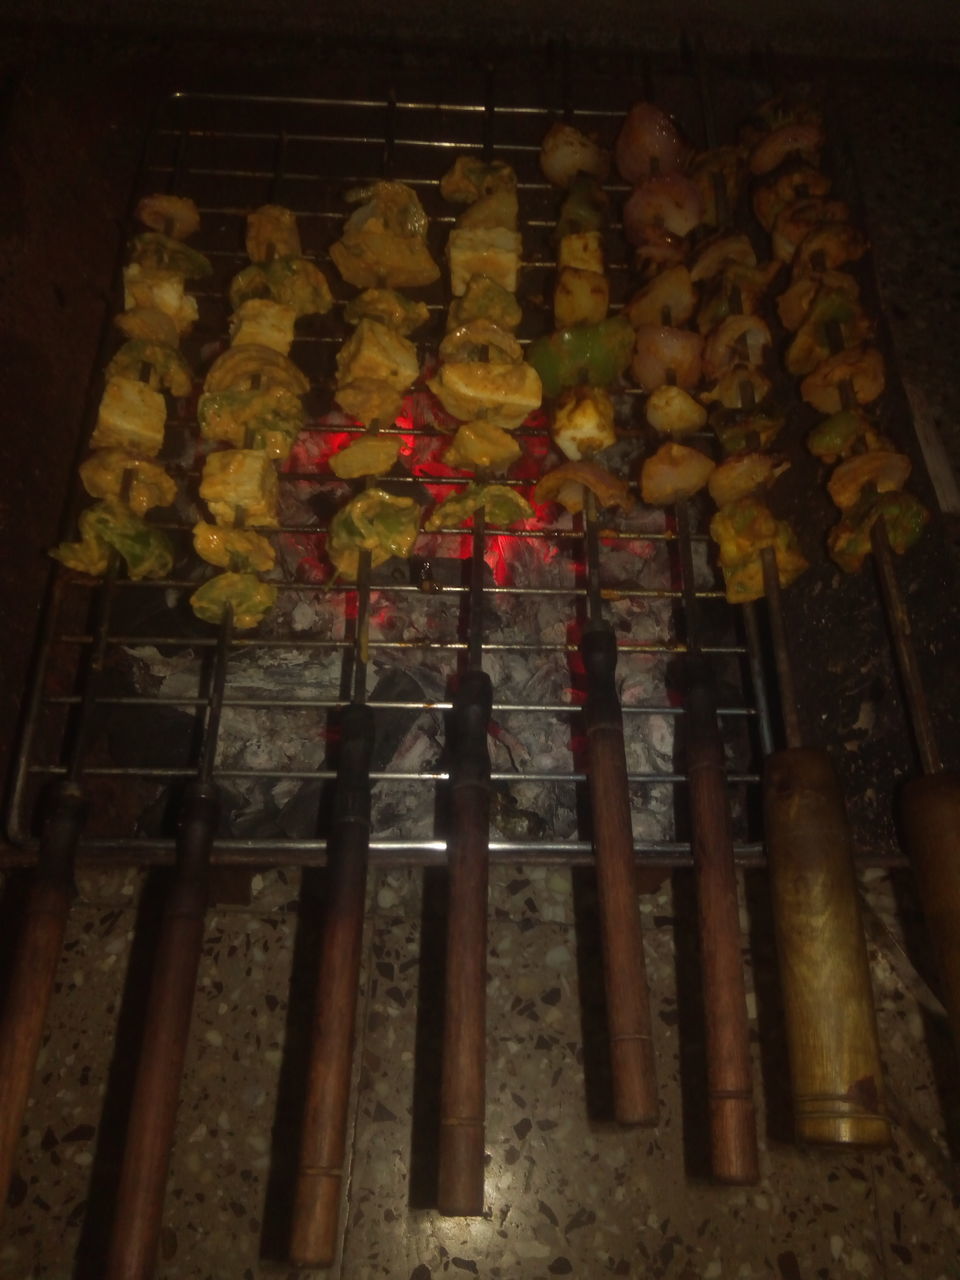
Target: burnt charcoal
{"x":158,"y":820}
{"x":392,"y":724}
{"x":299,"y":819}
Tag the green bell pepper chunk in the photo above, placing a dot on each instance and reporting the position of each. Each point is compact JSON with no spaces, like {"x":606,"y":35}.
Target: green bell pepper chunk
{"x":593,"y":353}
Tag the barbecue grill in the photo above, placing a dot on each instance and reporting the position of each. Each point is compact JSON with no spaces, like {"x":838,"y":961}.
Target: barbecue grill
{"x":123,"y":668}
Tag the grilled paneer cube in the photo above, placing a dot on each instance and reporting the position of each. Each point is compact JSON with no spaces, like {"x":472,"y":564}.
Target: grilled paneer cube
{"x":375,"y":351}
{"x":132,"y":416}
{"x":673,"y":472}
{"x":265,"y":323}
{"x":240,"y":550}
{"x":163,"y":290}
{"x":583,"y":422}
{"x":249,"y":598}
{"x":580,"y":297}
{"x":240,"y":488}
{"x":369,"y":455}
{"x":383,"y":243}
{"x":104,"y":475}
{"x":480,"y":446}
{"x":674,"y":411}
{"x":582,"y":250}
{"x":272,"y":233}
{"x":493,"y":252}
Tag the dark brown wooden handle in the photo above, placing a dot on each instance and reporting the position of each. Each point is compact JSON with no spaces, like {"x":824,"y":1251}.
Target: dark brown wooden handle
{"x":463,"y":1066}
{"x":35,"y":967}
{"x":828,"y":1002}
{"x":625,"y":975}
{"x":149,"y":1139}
{"x":316,"y":1211}
{"x":733,"y":1123}
{"x":930,"y":811}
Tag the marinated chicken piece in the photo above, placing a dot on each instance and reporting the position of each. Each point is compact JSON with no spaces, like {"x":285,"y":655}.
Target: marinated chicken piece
{"x":249,"y":598}
{"x":294,"y":282}
{"x":484,"y":299}
{"x":374,"y":351}
{"x":175,"y":216}
{"x":736,"y":340}
{"x":240,"y":488}
{"x":798,"y":183}
{"x":794,"y":303}
{"x":849,"y":541}
{"x":580,"y":297}
{"x":255,"y":367}
{"x":718,"y":252}
{"x":584,"y":208}
{"x":370,"y":401}
{"x":882,"y":470}
{"x":668,"y":200}
{"x":502,"y":507}
{"x":132,"y":416}
{"x":480,"y":446}
{"x":269,"y":419}
{"x":675,"y":471}
{"x":261,"y":322}
{"x":163,"y":365}
{"x":720,"y":169}
{"x":593,"y":353}
{"x":833,"y":313}
{"x":804,"y":139}
{"x":104,"y":475}
{"x":481,"y":340}
{"x":162,"y":290}
{"x":566,"y":151}
{"x":742,"y":529}
{"x":145,"y":549}
{"x":837,"y":436}
{"x":648,"y":141}
{"x":670,"y":296}
{"x":736,"y":290}
{"x":240,"y":550}
{"x":492,"y":252}
{"x":471,"y":177}
{"x":743,"y":475}
{"x":147,"y":324}
{"x":383,"y":243}
{"x":500,"y":209}
{"x":565,"y":484}
{"x":795,"y":221}
{"x":376,"y":521}
{"x":158,"y":252}
{"x":674,"y":411}
{"x":583,"y":422}
{"x":861,"y":367}
{"x":659,"y":251}
{"x":389,"y":307}
{"x":741,"y":387}
{"x":582,"y":250}
{"x":272,"y":233}
{"x":370,"y":455}
{"x":663,"y":354}
{"x":783,"y":109}
{"x":739,"y":430}
{"x":828,"y":246}
{"x":504,"y":394}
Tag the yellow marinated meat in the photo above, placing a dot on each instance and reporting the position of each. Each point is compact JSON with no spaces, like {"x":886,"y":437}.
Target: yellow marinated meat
{"x":480,"y":446}
{"x":249,"y":598}
{"x":241,"y":550}
{"x":103,"y":476}
{"x":263,"y":322}
{"x":499,"y":209}
{"x":272,"y":233}
{"x":240,"y":487}
{"x":163,"y":364}
{"x":269,"y":419}
{"x":370,"y":401}
{"x":390,"y":308}
{"x":370,"y":455}
{"x":375,"y":351}
{"x":502,"y":506}
{"x":383,"y":243}
{"x":376,"y":521}
{"x":163,"y":290}
{"x":741,"y":530}
{"x":675,"y":471}
{"x":131,"y":416}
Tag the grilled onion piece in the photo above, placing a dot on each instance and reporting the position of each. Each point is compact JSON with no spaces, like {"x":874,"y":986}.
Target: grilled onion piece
{"x":484,"y":299}
{"x":744,"y":474}
{"x":565,"y":485}
{"x":103,"y":476}
{"x":239,"y":368}
{"x":250,"y":599}
{"x":671,"y":291}
{"x":565,"y":152}
{"x":801,"y":138}
{"x":881,"y":469}
{"x":390,"y":308}
{"x":861,"y":366}
{"x":272,"y":233}
{"x":718,"y":252}
{"x":268,"y":419}
{"x":648,"y":140}
{"x":296,"y":282}
{"x":240,"y":550}
{"x":837,"y":436}
{"x":731,"y":388}
{"x":738,"y":340}
{"x":504,"y":394}
{"x":794,"y":184}
{"x":794,"y":303}
{"x":668,"y":200}
{"x":828,"y":246}
{"x":167,"y":366}
{"x":471,"y":177}
{"x":175,"y":216}
{"x":145,"y":550}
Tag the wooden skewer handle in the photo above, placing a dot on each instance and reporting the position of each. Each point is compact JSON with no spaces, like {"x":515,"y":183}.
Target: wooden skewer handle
{"x":35,"y":967}
{"x":463,"y":1066}
{"x":733,"y":1124}
{"x":828,"y":1002}
{"x":149,"y":1139}
{"x":320,"y":1172}
{"x":625,"y":975}
{"x":930,"y":810}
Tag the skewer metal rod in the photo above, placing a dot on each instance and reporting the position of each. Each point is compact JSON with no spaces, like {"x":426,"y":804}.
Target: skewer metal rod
{"x":781,"y":651}
{"x":591,"y":536}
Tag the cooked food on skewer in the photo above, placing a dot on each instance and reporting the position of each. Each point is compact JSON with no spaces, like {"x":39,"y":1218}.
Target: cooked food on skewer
{"x":670,"y":290}
{"x":147,"y":324}
{"x":741,"y":530}
{"x":669,"y":201}
{"x":268,"y":419}
{"x":272,"y":233}
{"x":375,"y":351}
{"x":832,"y":314}
{"x":566,"y":152}
{"x":744,"y":474}
{"x":583,"y":422}
{"x":805,"y":139}
{"x":241,"y":550}
{"x":374,"y":520}
{"x":107,"y":473}
{"x":249,"y":367}
{"x":837,"y":436}
{"x":659,"y":249}
{"x":796,"y":221}
{"x":737,"y":289}
{"x":718,"y":252}
{"x":882,"y":470}
{"x":391,"y":308}
{"x":743,"y":429}
{"x":471,"y":177}
{"x":484,"y":299}
{"x":502,"y":507}
{"x":665,"y":354}
{"x":157,"y":252}
{"x":793,"y":305}
{"x":368,"y":455}
{"x":861,"y":367}
{"x":481,"y":446}
{"x":648,"y":142}
{"x":384,"y":241}
{"x":828,"y":246}
{"x":250,"y":599}
{"x":674,"y":411}
{"x":175,"y":216}
{"x":163,"y":290}
{"x":483,"y":251}
{"x":738,"y":340}
{"x":483,"y":341}
{"x":723,"y":167}
{"x":131,"y":416}
{"x":239,"y":481}
{"x":905,"y":517}
{"x":793,"y":184}
{"x":295,"y":282}
{"x":262,"y":322}
{"x":565,"y":484}
{"x":501,"y":394}
{"x":370,"y":400}
{"x":733,"y":387}
{"x":145,"y":550}
{"x":674,"y":472}
{"x":167,"y":367}
{"x":593,"y":353}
